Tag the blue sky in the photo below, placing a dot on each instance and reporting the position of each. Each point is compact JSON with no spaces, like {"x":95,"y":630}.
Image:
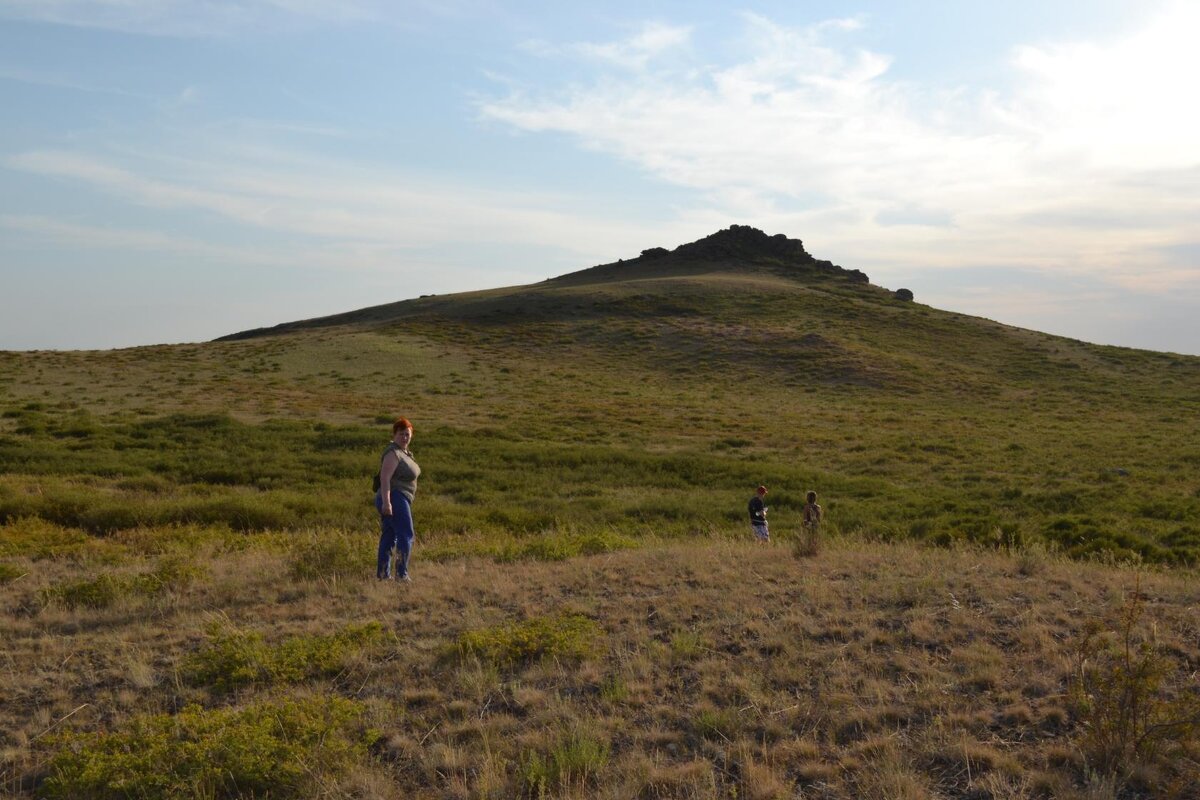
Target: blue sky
{"x":174,"y":170}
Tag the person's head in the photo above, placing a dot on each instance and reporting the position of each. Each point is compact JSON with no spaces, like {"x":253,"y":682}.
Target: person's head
{"x":811,"y":497}
{"x":402,"y":429}
{"x":762,"y":491}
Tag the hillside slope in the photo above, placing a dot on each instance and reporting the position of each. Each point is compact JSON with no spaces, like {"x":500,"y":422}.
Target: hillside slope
{"x":187,"y":538}
{"x":649,"y":394}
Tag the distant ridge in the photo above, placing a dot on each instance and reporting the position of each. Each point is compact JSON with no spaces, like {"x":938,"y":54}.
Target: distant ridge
{"x":736,"y":249}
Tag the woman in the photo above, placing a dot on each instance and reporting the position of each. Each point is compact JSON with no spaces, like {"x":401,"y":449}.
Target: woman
{"x":398,"y":474}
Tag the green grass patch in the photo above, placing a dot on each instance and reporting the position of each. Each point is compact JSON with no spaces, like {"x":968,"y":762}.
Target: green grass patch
{"x":33,"y":537}
{"x":233,"y":658}
{"x":332,"y":555}
{"x":290,"y":749}
{"x":569,"y":637}
{"x":559,"y":547}
{"x":572,"y":762}
{"x":105,"y":590}
{"x":10,"y":572}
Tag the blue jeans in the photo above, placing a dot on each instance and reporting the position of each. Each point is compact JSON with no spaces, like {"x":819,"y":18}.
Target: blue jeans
{"x":397,"y":532}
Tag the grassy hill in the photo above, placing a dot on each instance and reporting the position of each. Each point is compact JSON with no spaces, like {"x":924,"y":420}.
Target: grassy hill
{"x":191,"y":524}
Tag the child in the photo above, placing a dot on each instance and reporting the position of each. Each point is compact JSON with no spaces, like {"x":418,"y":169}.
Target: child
{"x":808,"y":544}
{"x":758,"y":516}
{"x":812,"y":512}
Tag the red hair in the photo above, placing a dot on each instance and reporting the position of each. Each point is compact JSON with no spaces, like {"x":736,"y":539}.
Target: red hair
{"x":400,"y":422}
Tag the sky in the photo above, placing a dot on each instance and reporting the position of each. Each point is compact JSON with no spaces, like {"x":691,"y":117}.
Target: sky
{"x":176,"y":170}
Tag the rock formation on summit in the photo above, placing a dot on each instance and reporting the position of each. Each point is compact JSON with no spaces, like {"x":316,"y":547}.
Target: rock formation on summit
{"x":744,"y":241}
{"x":750,"y":245}
{"x":738,"y":248}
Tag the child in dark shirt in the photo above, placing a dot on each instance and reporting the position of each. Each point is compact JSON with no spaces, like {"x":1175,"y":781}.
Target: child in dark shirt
{"x":758,"y":515}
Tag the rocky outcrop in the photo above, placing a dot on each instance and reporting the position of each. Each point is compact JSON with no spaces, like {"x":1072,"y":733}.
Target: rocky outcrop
{"x":742,"y":243}
{"x":746,"y":242}
{"x":904,"y":294}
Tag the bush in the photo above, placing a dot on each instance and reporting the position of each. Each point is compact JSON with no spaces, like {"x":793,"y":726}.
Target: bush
{"x":542,"y":548}
{"x":172,"y":573}
{"x":1119,"y":691}
{"x":559,"y":547}
{"x":569,"y":637}
{"x":37,"y":539}
{"x":331,"y":556}
{"x":9,"y":572}
{"x":100,"y":592}
{"x":574,"y":760}
{"x":233,"y":658}
{"x":717,"y":723}
{"x":285,"y":750}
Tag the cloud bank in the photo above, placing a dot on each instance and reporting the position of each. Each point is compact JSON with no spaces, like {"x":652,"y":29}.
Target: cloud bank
{"x":1085,"y":163}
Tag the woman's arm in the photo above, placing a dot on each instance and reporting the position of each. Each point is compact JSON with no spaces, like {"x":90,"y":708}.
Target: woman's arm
{"x":386,"y":468}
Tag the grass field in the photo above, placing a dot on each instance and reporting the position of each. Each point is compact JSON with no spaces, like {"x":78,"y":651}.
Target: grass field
{"x":186,"y":537}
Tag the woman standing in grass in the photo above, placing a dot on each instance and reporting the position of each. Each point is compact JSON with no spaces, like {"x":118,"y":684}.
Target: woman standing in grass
{"x":398,"y":474}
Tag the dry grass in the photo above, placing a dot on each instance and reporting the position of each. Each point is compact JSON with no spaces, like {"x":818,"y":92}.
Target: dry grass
{"x":719,"y":670}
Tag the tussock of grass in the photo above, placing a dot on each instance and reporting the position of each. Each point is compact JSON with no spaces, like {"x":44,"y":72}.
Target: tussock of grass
{"x":33,"y":537}
{"x":551,"y":547}
{"x":569,"y":637}
{"x":1134,"y":715}
{"x":331,"y":555}
{"x":10,"y":572}
{"x":572,"y":761}
{"x":233,"y":658}
{"x":548,"y":546}
{"x":279,"y":750}
{"x":171,"y":574}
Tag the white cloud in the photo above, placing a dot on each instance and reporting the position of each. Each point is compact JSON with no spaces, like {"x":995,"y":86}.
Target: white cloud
{"x":816,"y":138}
{"x":1127,"y":104}
{"x":651,"y":41}
{"x":85,"y":236}
{"x":341,"y":216}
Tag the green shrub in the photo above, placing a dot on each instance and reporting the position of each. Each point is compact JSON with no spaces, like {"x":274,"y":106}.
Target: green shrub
{"x":573,"y":761}
{"x":568,"y":637}
{"x":9,"y":572}
{"x":520,"y":520}
{"x":717,"y":723}
{"x":234,"y":658}
{"x":606,"y":542}
{"x":686,"y":645}
{"x":242,"y":513}
{"x":172,"y":573}
{"x":289,"y":749}
{"x":613,"y":689}
{"x":542,"y":548}
{"x":559,"y":547}
{"x":331,"y":556}
{"x":1127,"y":717}
{"x":37,"y":539}
{"x":99,"y":592}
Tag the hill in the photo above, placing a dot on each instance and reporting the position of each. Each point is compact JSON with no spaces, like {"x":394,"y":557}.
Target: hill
{"x":686,"y":377}
{"x":191,"y":524}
